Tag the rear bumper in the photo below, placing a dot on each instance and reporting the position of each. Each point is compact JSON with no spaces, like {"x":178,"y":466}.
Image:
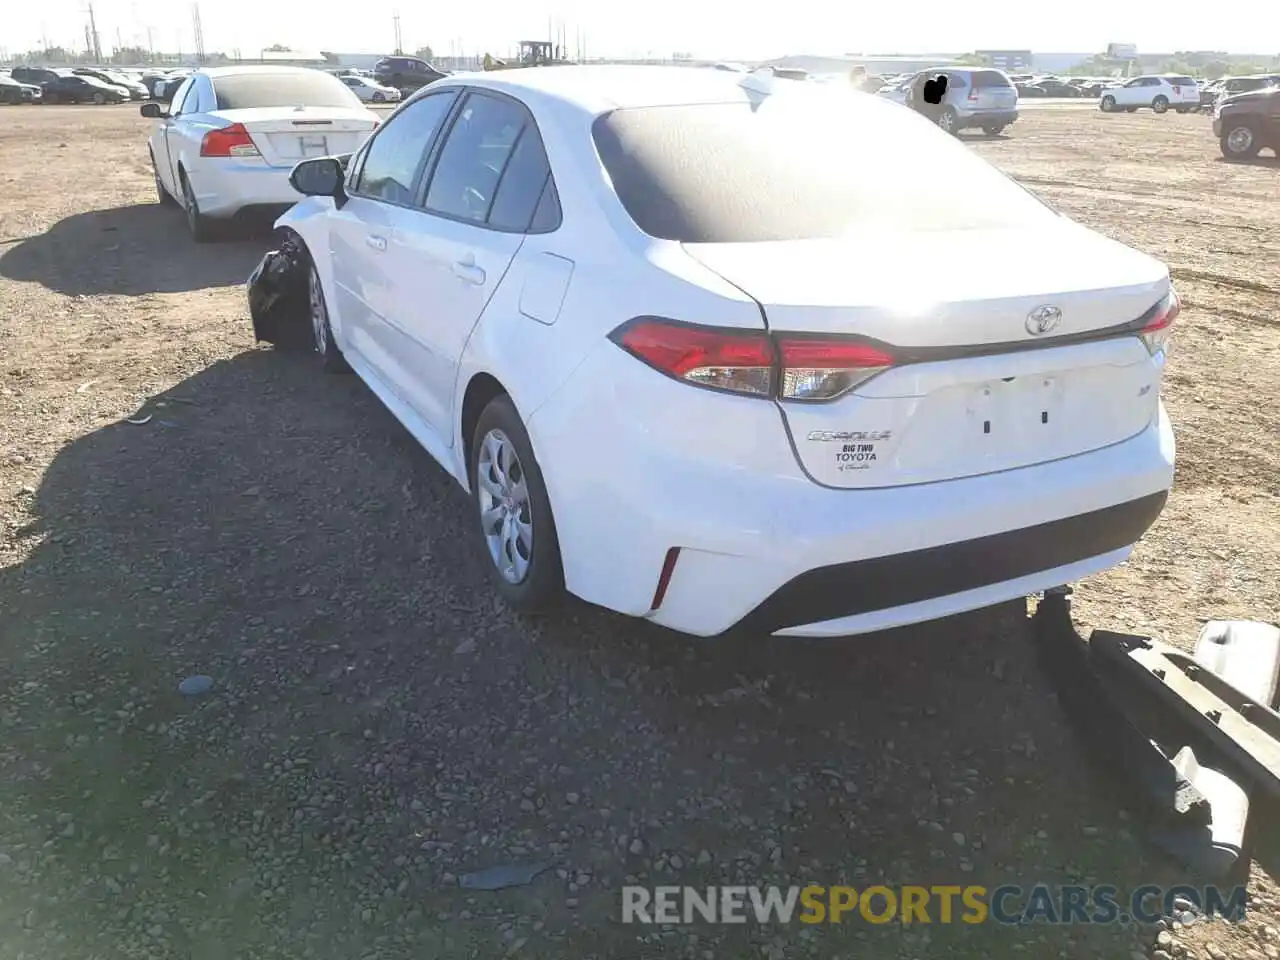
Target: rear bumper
{"x":762,"y":548}
{"x":985,"y":118}
{"x":225,"y":187}
{"x":826,"y":599}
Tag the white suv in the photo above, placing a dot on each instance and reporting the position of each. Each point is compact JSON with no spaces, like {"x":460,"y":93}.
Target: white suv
{"x":1158,"y":93}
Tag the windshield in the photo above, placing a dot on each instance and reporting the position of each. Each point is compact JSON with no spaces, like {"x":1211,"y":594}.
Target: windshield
{"x":813,"y":164}
{"x":306,"y":88}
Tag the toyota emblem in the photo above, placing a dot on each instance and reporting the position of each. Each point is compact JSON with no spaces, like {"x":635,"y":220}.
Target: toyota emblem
{"x":1043,"y":319}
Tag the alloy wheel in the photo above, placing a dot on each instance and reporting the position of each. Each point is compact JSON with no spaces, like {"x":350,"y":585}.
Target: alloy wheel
{"x":319,"y":314}
{"x":506,"y":516}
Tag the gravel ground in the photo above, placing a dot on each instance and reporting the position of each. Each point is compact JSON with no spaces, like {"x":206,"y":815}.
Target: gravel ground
{"x":378,"y":726}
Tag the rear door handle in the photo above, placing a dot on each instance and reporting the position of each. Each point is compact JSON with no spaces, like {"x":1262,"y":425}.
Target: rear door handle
{"x":467,"y":270}
{"x":377,"y":242}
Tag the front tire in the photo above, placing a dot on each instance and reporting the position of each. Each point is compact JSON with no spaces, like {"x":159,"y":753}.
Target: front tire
{"x":1160,"y":105}
{"x":1108,"y":104}
{"x":517,"y":530}
{"x":321,"y":330}
{"x":378,"y":97}
{"x":162,"y":195}
{"x":99,"y":99}
{"x":1239,"y":142}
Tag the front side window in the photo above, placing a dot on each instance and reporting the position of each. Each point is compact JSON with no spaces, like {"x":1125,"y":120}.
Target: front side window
{"x":395,"y":156}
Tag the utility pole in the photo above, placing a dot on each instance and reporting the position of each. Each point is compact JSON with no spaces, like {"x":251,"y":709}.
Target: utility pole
{"x":198,"y":32}
{"x":97,"y":44}
{"x":395,"y":23}
{"x":151,"y":47}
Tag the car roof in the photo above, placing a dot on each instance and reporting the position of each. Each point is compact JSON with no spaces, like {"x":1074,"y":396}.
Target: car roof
{"x":215,"y":72}
{"x":598,"y":88}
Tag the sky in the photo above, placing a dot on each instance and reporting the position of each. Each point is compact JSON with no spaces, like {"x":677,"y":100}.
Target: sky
{"x":754,"y":30}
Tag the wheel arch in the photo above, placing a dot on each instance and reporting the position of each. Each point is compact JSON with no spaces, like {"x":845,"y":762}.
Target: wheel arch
{"x":481,"y":390}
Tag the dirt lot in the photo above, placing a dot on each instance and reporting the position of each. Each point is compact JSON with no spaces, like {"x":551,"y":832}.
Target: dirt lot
{"x":379,"y":726}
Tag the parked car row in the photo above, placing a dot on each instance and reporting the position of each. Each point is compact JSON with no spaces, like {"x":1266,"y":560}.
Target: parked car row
{"x":1211,"y":92}
{"x":83,"y":84}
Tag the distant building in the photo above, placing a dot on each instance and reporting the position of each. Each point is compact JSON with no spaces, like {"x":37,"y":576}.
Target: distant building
{"x":875,"y":65}
{"x":1010,"y":61}
{"x":286,"y":58}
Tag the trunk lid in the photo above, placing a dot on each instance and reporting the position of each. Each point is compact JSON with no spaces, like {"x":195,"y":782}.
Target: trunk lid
{"x":973,"y":391}
{"x":286,"y":135}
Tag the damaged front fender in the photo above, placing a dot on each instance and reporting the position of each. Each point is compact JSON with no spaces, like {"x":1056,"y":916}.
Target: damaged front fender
{"x":277,"y":292}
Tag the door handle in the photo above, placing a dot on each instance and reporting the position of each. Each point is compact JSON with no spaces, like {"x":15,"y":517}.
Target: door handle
{"x":466,"y":269}
{"x":377,"y":242}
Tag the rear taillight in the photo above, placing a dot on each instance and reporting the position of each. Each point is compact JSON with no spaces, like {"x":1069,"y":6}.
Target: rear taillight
{"x":232,"y":141}
{"x":826,"y":369}
{"x":805,"y":368}
{"x":740,"y":362}
{"x":1158,"y":328}
{"x":973,"y":93}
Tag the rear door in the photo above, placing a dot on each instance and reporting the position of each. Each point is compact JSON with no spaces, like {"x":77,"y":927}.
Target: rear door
{"x":448,"y":258}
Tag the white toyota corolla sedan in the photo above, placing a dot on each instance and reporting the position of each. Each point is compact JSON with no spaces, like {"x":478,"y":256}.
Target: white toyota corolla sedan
{"x":231,"y":135}
{"x":727,"y":354}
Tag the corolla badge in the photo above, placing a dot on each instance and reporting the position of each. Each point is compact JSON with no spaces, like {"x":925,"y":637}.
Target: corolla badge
{"x":1043,"y":319}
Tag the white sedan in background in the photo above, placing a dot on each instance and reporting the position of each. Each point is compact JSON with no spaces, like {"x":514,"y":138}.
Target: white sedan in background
{"x":370,"y":90}
{"x":231,"y":135}
{"x":729,"y":353}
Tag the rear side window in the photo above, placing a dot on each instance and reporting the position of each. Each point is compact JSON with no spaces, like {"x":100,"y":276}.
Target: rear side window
{"x":1182,"y":81}
{"x":796,"y":167}
{"x":990,"y":78}
{"x":481,"y":140}
{"x":302,"y":89}
{"x":521,"y":187}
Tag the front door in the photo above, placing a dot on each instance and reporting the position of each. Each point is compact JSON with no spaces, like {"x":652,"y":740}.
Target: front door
{"x":361,"y":230}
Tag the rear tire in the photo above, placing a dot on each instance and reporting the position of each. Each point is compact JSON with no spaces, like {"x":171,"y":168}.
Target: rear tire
{"x":993,"y":129}
{"x":199,"y":226}
{"x":1108,"y":104}
{"x":1240,"y":142}
{"x":517,"y":530}
{"x":1160,"y":105}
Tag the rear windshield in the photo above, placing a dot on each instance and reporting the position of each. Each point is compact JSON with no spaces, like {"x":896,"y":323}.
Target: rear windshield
{"x":990,"y":78}
{"x":786,"y":169}
{"x":313,"y":89}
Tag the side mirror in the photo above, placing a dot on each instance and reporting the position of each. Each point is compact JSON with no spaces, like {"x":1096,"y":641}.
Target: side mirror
{"x":153,"y":111}
{"x":320,"y":177}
